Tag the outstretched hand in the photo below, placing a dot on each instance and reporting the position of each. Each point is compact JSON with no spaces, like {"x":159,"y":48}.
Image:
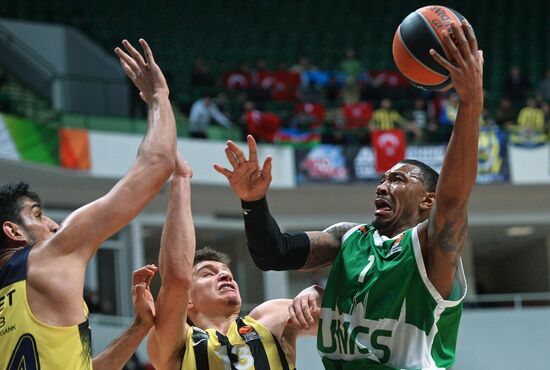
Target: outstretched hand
{"x":144,"y":304}
{"x":248,"y":180}
{"x":144,"y":72}
{"x":464,"y":62}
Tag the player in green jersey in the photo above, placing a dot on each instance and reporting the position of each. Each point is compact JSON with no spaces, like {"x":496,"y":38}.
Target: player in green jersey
{"x":393,"y":299}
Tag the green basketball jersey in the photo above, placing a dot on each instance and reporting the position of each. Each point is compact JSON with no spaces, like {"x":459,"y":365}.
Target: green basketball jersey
{"x":380,"y":310}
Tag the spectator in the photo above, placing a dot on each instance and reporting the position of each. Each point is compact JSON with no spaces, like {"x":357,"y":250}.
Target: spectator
{"x":352,"y":69}
{"x":256,"y":92}
{"x":262,"y":125}
{"x":332,"y":90}
{"x":531,"y":118}
{"x":259,"y":66}
{"x":543,"y":88}
{"x":516,"y":85}
{"x":302,"y":66}
{"x":332,"y":131}
{"x":530,"y":128}
{"x":371,"y":88}
{"x":200,"y":75}
{"x":421,"y":123}
{"x":310,"y":93}
{"x":447,"y":117}
{"x":505,"y":115}
{"x":386,"y":118}
{"x":203,"y":111}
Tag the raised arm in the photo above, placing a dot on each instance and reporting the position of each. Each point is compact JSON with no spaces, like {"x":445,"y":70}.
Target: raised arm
{"x":177,"y":251}
{"x":288,"y":319}
{"x":447,"y":226}
{"x":269,"y":247}
{"x":84,"y":230}
{"x":117,"y":354}
{"x":305,"y":309}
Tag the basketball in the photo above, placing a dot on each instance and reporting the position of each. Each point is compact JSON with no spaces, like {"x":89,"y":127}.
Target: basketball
{"x":419,"y":32}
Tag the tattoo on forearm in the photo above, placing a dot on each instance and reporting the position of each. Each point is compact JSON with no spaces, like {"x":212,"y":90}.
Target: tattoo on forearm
{"x":338,"y":230}
{"x":451,"y":236}
{"x":324,"y":245}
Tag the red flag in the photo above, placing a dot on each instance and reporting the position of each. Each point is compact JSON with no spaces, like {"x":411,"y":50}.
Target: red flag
{"x":390,"y":78}
{"x":237,"y":80}
{"x":357,"y":114}
{"x":389,"y":148}
{"x":262,"y":125}
{"x":282,"y":84}
{"x":315,"y":111}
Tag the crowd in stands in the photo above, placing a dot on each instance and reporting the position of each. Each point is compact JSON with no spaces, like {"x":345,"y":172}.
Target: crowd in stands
{"x":304,"y":104}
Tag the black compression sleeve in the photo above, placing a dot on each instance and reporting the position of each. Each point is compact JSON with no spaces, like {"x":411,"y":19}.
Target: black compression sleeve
{"x":269,"y":248}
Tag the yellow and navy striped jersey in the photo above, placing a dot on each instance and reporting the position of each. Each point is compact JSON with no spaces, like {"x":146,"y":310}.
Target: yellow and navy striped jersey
{"x":248,"y":345}
{"x":27,"y":343}
{"x":531,"y":118}
{"x":383,"y":119}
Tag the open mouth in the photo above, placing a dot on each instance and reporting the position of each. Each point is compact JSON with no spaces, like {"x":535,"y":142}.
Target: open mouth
{"x":382,"y":206}
{"x":222,"y":288}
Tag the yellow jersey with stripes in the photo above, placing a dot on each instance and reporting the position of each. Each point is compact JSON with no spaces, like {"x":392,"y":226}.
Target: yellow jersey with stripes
{"x":383,"y":119}
{"x":531,"y":118}
{"x":27,"y":343}
{"x":248,"y":345}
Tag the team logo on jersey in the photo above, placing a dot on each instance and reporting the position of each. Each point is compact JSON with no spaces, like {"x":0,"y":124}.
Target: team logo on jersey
{"x":248,"y":333}
{"x":396,"y":247}
{"x":363,"y":229}
{"x":198,"y":336}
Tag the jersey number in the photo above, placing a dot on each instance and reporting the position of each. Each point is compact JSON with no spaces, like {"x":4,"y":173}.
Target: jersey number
{"x":25,"y":354}
{"x":244,"y":356}
{"x":363,"y":273}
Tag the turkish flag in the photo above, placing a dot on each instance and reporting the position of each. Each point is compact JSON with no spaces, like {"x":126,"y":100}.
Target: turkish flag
{"x":237,"y":80}
{"x":282,"y":84}
{"x":315,"y":111}
{"x":389,"y":148}
{"x":357,"y":114}
{"x":390,"y":78}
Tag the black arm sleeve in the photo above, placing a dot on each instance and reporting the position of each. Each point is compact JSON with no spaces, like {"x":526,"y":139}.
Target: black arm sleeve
{"x":269,"y":248}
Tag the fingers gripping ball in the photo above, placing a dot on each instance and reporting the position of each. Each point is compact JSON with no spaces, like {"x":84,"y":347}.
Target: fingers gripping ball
{"x":419,"y":32}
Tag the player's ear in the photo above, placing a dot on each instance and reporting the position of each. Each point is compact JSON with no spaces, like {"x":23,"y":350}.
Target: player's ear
{"x":14,"y":231}
{"x":428,"y":201}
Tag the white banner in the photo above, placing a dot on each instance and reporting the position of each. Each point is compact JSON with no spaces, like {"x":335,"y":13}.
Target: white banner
{"x":112,"y":155}
{"x":529,"y":165}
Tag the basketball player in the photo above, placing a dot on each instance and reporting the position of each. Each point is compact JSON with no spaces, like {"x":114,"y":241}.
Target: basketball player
{"x":393,"y":297}
{"x":197,"y":324}
{"x":42,"y":264}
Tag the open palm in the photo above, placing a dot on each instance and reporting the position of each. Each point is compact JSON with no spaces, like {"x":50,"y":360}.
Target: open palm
{"x":248,"y":180}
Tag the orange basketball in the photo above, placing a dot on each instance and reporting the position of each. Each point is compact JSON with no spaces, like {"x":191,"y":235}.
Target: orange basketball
{"x":419,"y":32}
